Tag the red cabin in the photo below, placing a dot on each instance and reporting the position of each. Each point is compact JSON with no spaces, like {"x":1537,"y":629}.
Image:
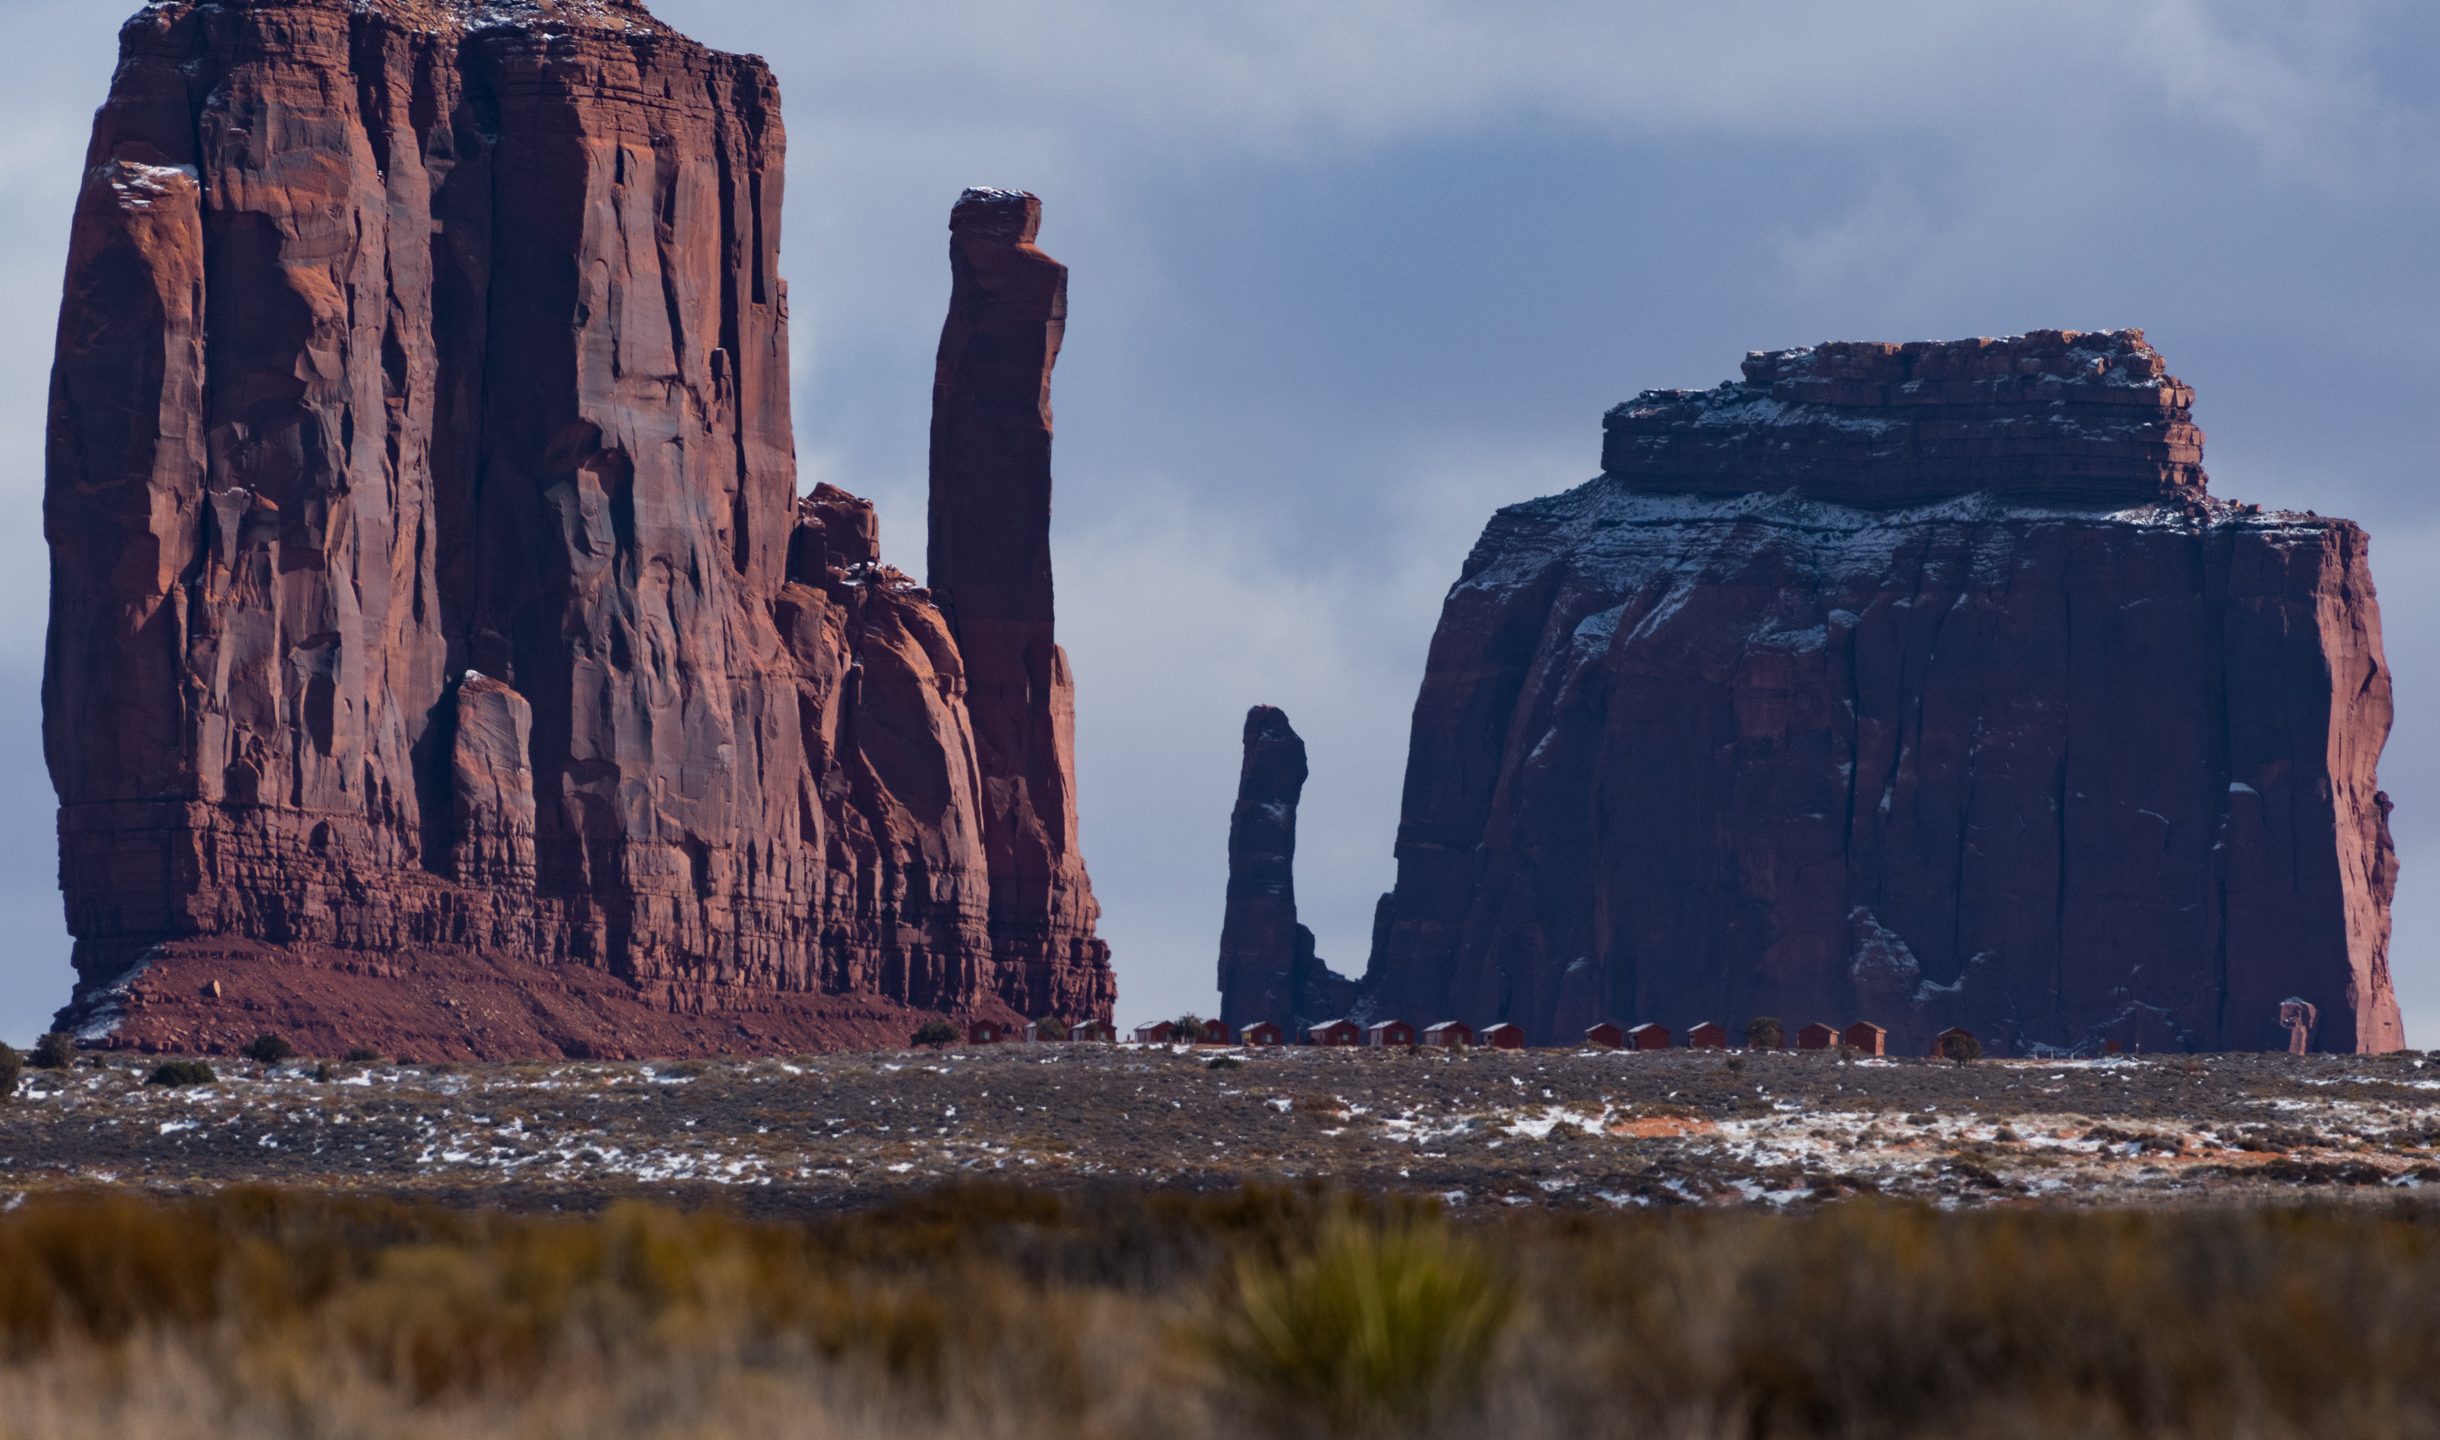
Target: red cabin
{"x":1048,"y":1030}
{"x":1391,"y":1032}
{"x":1335,"y":1032}
{"x":1608,"y":1035}
{"x":1817,"y":1036}
{"x":1710,"y":1035}
{"x":1159,"y":1032}
{"x":1648,"y":1036}
{"x":1261,"y":1032}
{"x":1504,"y":1036}
{"x":1865,"y":1038}
{"x":1456,"y":1034}
{"x":1093,"y":1032}
{"x":985,"y":1032}
{"x":1216,"y":1032}
{"x":1940,"y":1042}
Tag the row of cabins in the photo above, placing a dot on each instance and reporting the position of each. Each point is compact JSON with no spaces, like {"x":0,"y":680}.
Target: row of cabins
{"x":1863,"y":1037}
{"x":1164,"y":1032}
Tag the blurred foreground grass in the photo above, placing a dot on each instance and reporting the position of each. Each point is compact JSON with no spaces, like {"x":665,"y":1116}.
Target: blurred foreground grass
{"x":1001,"y":1313}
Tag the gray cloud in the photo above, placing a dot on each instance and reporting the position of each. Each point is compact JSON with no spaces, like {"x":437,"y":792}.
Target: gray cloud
{"x":1348,"y":277}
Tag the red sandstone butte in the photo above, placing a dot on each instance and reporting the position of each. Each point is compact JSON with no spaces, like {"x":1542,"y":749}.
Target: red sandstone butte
{"x":441,"y":659}
{"x":1268,"y":971}
{"x":1920,"y":684}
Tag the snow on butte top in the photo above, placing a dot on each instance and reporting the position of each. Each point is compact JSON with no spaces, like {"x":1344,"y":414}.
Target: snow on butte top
{"x":617,"y":17}
{"x":1000,"y":214}
{"x":2070,"y":415}
{"x":2106,"y":357}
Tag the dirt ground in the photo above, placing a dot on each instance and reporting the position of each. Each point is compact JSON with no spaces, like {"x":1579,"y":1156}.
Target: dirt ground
{"x":1480,"y":1128}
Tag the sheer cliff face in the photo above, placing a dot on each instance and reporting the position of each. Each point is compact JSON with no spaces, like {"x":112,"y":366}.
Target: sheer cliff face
{"x":1922,"y":685}
{"x":1268,"y":970}
{"x":428,"y":576}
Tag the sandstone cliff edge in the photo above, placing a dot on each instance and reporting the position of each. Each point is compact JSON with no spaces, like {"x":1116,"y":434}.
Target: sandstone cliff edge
{"x":441,"y":657}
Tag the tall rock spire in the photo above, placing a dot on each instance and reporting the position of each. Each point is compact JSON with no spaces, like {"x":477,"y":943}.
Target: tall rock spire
{"x":991,"y":576}
{"x":1268,"y":970}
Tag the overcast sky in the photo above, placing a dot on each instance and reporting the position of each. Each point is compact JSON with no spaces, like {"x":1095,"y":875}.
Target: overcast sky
{"x":1349,"y":276}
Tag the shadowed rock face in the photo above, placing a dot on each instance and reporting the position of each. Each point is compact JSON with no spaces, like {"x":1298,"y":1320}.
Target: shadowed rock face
{"x":990,"y":570}
{"x":1267,"y":966}
{"x":1916,"y":684}
{"x":428,"y":573}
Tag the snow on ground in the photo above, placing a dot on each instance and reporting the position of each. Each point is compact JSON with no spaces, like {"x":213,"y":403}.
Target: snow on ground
{"x":1546,"y":1128}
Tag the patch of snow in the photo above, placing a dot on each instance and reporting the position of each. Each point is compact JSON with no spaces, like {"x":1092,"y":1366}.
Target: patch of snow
{"x":140,"y":186}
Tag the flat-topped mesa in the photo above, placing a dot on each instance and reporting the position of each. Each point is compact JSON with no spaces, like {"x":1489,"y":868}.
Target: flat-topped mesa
{"x":2072,"y":416}
{"x":543,"y":20}
{"x":433,"y":611}
{"x":2083,"y":761}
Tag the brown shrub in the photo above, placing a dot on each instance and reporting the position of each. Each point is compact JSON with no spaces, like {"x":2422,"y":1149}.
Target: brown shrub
{"x":1019,"y":1314}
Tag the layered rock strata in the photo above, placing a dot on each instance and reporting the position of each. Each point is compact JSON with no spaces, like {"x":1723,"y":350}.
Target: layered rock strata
{"x":431,"y":596}
{"x":990,"y":570}
{"x":1919,"y":684}
{"x":1268,"y":970}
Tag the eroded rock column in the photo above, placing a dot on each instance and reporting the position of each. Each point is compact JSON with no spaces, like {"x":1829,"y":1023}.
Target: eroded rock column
{"x":1268,"y":970}
{"x":991,"y":576}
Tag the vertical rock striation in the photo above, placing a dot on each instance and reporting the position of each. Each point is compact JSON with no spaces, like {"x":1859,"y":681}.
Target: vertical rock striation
{"x":438,"y":644}
{"x":990,"y":570}
{"x":1268,"y":970}
{"x":1921,"y":684}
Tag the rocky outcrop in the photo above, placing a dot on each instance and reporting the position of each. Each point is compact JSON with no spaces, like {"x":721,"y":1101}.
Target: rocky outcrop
{"x":1268,"y":970}
{"x":991,"y":575}
{"x":430,"y":590}
{"x":2056,"y":415}
{"x":1922,"y":684}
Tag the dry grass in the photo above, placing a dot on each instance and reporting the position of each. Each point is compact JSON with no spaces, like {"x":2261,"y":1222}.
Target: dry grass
{"x":1014,"y":1314}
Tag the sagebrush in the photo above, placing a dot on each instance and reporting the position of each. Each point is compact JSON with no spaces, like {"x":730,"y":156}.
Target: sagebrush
{"x":1020,"y":1314}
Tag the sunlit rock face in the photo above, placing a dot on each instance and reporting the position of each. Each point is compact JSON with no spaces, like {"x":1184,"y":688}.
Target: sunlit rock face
{"x":431,"y":593}
{"x":1921,"y":684}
